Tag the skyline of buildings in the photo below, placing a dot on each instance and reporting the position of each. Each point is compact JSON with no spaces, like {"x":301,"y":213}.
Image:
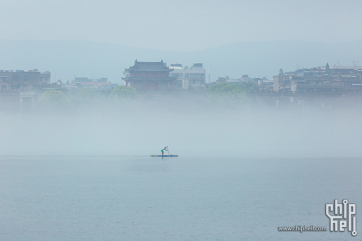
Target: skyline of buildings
{"x":150,"y":76}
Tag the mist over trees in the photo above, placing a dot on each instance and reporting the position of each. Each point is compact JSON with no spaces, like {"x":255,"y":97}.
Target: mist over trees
{"x":227,"y":92}
{"x":88,"y":95}
{"x":53,"y":99}
{"x":123,"y":92}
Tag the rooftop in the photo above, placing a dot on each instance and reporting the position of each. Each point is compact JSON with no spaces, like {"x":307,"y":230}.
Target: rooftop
{"x":176,"y":66}
{"x":23,"y":71}
{"x":149,"y":66}
{"x":197,"y":66}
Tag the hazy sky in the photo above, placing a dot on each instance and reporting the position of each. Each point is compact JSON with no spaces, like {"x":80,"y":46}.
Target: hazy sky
{"x":183,"y":24}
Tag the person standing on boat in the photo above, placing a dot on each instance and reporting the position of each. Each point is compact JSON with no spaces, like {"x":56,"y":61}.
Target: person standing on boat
{"x":164,"y":149}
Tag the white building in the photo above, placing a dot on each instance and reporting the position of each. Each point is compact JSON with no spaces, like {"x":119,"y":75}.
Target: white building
{"x":193,"y":77}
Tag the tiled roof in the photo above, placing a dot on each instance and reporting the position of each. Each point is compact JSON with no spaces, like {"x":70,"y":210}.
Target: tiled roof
{"x":149,"y":66}
{"x":145,"y":78}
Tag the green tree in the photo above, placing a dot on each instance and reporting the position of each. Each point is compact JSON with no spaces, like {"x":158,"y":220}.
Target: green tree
{"x":53,"y":96}
{"x":88,"y":95}
{"x":227,"y":92}
{"x":281,"y":72}
{"x":123,"y":92}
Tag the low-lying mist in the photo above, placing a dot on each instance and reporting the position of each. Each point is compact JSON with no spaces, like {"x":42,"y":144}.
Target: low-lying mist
{"x":190,"y":127}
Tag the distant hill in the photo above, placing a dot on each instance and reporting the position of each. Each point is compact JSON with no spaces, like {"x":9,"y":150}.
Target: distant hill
{"x":66,"y":59}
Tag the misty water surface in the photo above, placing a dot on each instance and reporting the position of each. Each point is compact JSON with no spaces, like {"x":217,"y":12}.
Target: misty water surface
{"x":190,"y":127}
{"x":144,"y":198}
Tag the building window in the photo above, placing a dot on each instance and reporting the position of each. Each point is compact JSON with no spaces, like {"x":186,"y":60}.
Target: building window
{"x":3,"y":87}
{"x":25,"y":79}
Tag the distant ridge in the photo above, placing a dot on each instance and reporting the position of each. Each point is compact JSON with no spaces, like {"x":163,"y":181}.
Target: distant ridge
{"x":66,"y":59}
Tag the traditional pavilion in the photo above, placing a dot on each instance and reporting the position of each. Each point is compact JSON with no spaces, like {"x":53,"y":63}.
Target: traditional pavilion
{"x":149,"y":76}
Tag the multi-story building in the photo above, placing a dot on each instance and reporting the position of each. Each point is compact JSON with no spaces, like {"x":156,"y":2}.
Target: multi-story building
{"x":87,"y":80}
{"x":193,"y":77}
{"x":101,"y":85}
{"x":281,"y":82}
{"x":22,"y":80}
{"x":320,"y":80}
{"x":149,"y":76}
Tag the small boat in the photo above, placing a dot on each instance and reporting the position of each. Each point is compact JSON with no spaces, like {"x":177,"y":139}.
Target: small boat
{"x":164,"y":155}
{"x":168,"y":153}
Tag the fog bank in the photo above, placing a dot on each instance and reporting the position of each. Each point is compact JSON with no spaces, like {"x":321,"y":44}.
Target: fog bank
{"x":189,"y":128}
